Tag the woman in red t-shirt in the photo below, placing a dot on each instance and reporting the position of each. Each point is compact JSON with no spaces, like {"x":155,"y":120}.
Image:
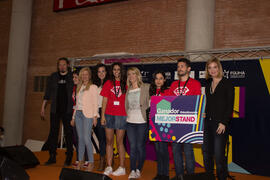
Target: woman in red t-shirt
{"x":114,"y":116}
{"x":159,"y":88}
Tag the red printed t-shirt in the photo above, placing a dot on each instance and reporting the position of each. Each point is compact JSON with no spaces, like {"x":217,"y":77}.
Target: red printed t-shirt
{"x":193,"y":87}
{"x":164,"y":93}
{"x":115,"y":105}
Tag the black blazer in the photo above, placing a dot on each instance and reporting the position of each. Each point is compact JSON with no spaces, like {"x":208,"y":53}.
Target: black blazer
{"x":51,"y":91}
{"x":219,"y":105}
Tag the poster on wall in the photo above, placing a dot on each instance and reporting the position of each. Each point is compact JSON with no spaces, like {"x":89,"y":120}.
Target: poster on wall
{"x":60,"y":5}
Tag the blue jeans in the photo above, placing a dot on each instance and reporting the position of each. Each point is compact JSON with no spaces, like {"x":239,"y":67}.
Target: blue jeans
{"x":137,"y":139}
{"x":178,"y":158}
{"x":84,"y":128}
{"x":163,"y":159}
{"x":214,"y":148}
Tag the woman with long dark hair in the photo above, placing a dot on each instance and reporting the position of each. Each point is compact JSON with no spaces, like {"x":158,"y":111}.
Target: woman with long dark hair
{"x":114,"y":116}
{"x":100,"y":76}
{"x":219,"y":107}
{"x":159,"y":87}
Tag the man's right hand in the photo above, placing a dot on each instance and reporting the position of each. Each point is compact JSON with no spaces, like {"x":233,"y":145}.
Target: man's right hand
{"x":42,"y":114}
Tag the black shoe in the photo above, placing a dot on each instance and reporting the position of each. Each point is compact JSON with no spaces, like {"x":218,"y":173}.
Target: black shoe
{"x":52,"y":160}
{"x":165,"y":177}
{"x":68,"y":161}
{"x":179,"y":177}
{"x":157,"y":177}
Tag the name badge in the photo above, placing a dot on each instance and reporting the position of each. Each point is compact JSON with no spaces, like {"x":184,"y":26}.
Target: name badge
{"x":116,"y":103}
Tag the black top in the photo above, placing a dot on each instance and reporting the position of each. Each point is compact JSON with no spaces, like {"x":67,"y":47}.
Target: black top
{"x":59,"y":91}
{"x":219,"y":104}
{"x":61,"y":103}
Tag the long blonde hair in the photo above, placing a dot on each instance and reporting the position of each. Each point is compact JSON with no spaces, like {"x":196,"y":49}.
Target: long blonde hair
{"x":80,"y":79}
{"x":220,"y":70}
{"x":138,"y":75}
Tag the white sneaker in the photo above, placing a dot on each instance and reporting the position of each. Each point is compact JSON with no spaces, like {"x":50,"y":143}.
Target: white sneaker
{"x":108,"y":171}
{"x":138,"y":173}
{"x":119,"y":172}
{"x":132,"y":175}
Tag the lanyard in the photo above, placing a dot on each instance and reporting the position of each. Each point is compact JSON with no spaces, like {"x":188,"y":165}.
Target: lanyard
{"x":183,"y":86}
{"x":115,"y":91}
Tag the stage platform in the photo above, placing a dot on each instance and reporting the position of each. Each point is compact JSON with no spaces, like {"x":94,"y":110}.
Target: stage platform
{"x":52,"y":172}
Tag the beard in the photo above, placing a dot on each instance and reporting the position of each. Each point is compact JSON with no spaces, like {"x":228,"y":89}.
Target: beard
{"x":182,"y":73}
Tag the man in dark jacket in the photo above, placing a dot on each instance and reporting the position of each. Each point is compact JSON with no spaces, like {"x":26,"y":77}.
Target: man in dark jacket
{"x":59,"y":91}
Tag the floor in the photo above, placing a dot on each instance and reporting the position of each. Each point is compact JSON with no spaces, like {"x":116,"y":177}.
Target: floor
{"x":52,"y":172}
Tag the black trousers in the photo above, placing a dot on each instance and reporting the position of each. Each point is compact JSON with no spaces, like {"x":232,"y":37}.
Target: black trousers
{"x":214,"y":148}
{"x":100,"y":133}
{"x":54,"y":132}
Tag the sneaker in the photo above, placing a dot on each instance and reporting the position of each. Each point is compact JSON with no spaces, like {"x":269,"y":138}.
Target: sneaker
{"x":138,"y":173}
{"x":132,"y":175}
{"x":108,"y":171}
{"x":86,"y":163}
{"x":75,"y":164}
{"x":119,"y":172}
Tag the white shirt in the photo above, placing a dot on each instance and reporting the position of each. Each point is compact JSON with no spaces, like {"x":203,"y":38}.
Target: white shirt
{"x":79,"y":104}
{"x":100,"y":98}
{"x":134,"y":114}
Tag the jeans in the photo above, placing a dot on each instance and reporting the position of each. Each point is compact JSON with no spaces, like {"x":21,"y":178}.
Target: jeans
{"x":214,"y":146}
{"x":84,"y":130}
{"x":162,"y":158}
{"x":54,"y":132}
{"x":178,"y":158}
{"x":100,"y":133}
{"x":75,"y":142}
{"x":137,"y":134}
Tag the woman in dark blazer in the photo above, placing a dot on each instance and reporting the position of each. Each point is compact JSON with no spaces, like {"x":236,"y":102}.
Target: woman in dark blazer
{"x":219,"y":108}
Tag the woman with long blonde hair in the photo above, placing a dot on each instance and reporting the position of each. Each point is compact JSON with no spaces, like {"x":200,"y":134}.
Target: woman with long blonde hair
{"x":85,"y":116}
{"x":136,"y":103}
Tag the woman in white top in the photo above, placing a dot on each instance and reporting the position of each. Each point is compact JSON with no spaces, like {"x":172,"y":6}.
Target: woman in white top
{"x":137,"y":101}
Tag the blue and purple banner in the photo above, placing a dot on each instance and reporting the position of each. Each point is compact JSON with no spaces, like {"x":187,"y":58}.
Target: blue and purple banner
{"x":177,"y":119}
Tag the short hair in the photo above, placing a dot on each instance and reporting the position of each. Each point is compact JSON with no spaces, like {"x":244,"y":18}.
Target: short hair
{"x":220,"y":70}
{"x":138,"y":74}
{"x":63,"y":59}
{"x":184,"y":60}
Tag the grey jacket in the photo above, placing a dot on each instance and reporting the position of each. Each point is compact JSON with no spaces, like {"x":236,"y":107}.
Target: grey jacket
{"x":144,"y":99}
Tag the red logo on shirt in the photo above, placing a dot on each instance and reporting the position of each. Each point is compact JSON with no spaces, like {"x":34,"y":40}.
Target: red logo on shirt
{"x":116,"y":90}
{"x":178,"y":93}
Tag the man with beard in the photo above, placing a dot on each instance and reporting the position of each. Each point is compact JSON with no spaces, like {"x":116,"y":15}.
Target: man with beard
{"x":185,"y":86}
{"x":59,"y":91}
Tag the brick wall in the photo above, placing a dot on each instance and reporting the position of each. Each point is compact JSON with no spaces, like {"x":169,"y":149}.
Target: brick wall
{"x":242,"y":23}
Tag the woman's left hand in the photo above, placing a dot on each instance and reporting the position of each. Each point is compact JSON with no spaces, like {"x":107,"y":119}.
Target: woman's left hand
{"x":95,"y":121}
{"x":221,"y":128}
